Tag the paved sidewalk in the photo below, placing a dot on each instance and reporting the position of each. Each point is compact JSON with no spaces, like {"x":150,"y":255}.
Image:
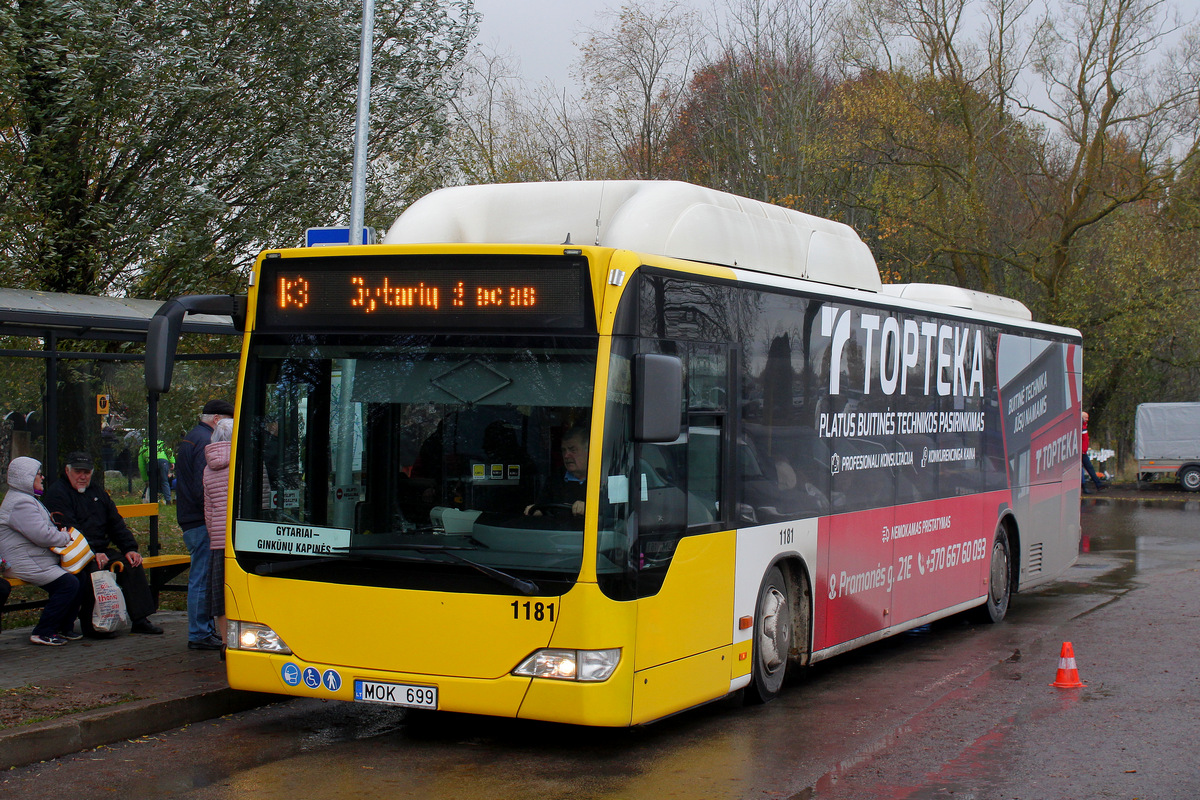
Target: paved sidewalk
{"x":154,"y":682}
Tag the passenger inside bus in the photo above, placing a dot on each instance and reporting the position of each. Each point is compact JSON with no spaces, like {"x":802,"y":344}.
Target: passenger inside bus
{"x":421,"y":485}
{"x":782,"y":485}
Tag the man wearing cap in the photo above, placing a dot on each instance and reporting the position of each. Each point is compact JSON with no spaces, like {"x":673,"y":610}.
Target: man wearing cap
{"x":189,"y":504}
{"x":73,"y":500}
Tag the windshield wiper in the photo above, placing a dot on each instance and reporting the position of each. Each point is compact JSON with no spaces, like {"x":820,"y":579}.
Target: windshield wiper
{"x":511,"y":581}
{"x":431,"y":546}
{"x":276,"y":567}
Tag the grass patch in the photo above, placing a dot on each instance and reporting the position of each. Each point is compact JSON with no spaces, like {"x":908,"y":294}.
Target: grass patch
{"x":26,"y":705}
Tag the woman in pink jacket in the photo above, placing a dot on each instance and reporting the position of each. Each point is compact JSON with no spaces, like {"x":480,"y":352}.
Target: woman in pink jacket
{"x":216,"y":508}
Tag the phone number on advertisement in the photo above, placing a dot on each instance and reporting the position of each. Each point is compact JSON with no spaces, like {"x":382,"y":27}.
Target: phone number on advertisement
{"x":940,"y":558}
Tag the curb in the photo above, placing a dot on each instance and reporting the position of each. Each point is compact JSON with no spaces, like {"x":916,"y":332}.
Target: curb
{"x":76,"y":732}
{"x":1116,"y":498}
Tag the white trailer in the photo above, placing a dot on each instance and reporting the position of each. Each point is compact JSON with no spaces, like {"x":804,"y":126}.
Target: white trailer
{"x":1166,"y":442}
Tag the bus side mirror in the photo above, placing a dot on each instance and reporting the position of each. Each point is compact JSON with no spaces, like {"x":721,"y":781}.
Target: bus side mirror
{"x":657,"y":398}
{"x":161,"y":338}
{"x":162,"y":335}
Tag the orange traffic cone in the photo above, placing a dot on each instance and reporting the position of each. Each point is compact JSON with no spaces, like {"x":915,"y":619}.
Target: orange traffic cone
{"x":1068,"y":674}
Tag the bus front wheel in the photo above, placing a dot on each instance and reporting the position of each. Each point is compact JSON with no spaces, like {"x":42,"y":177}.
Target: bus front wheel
{"x":772,"y":638}
{"x":999,"y":580}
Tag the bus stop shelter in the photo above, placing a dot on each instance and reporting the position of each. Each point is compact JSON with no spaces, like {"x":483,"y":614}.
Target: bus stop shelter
{"x":71,"y":378}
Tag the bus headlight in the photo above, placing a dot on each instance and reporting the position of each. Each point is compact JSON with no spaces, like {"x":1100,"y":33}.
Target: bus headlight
{"x":570,"y":665}
{"x":252,"y":636}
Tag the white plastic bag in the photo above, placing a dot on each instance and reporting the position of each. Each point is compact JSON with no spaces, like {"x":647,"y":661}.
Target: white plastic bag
{"x":110,"y":614}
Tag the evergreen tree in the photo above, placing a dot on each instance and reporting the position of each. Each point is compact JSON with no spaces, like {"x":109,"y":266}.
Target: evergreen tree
{"x":154,"y":148}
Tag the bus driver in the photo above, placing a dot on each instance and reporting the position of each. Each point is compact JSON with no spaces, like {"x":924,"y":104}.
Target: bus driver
{"x":570,"y":490}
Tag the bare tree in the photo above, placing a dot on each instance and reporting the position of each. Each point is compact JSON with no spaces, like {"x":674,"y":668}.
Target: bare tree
{"x":753,"y":121}
{"x":505,"y":132}
{"x":567,"y":143}
{"x":1114,"y":107}
{"x":1105,"y":128}
{"x":636,"y":73}
{"x":488,"y":115}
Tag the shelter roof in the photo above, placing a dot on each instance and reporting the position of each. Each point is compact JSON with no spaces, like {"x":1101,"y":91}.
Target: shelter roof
{"x":24,"y":312}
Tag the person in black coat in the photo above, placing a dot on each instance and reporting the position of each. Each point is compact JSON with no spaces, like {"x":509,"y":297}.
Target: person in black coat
{"x":189,"y":506}
{"x":74,"y":501}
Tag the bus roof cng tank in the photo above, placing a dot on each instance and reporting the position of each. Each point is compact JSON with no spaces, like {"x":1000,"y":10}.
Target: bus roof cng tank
{"x":957,"y":297}
{"x":667,"y":218}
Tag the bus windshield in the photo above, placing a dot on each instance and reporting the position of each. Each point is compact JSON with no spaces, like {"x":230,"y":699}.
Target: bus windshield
{"x":415,"y":461}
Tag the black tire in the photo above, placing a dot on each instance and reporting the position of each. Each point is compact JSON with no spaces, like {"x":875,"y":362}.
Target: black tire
{"x":772,"y":638}
{"x":999,"y":581}
{"x":1189,"y":478}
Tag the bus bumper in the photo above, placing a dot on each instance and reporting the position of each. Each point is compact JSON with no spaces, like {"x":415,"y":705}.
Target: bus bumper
{"x":607,"y":703}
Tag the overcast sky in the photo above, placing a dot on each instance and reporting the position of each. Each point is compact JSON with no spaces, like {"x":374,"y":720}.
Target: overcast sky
{"x":539,"y":33}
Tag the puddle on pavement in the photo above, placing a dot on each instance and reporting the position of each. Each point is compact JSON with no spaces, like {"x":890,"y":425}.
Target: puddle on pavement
{"x":1146,"y":536}
{"x":1138,"y":526}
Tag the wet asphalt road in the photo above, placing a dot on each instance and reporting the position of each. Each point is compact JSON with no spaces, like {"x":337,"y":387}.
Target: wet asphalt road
{"x":950,"y":710}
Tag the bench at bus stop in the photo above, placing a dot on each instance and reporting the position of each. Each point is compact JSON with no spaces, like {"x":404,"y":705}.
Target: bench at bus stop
{"x":162,"y":567}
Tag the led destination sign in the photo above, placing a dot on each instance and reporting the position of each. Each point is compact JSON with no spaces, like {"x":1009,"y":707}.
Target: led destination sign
{"x":477,"y":291}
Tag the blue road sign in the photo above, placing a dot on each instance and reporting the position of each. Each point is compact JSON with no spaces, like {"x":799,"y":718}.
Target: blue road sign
{"x":327,"y":237}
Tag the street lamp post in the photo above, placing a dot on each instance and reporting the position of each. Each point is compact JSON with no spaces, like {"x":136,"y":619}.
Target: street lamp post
{"x":344,"y":511}
{"x":362,"y":124}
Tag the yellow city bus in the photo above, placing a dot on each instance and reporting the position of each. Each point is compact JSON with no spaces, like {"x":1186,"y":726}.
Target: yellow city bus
{"x":599,"y":452}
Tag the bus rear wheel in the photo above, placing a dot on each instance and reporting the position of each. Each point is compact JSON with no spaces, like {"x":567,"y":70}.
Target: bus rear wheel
{"x":772,"y":638}
{"x":999,"y":580}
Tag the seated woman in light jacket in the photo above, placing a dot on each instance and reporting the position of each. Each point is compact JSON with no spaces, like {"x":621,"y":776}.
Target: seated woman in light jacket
{"x":26,"y":536}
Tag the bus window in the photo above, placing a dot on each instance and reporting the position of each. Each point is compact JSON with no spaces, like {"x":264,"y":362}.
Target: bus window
{"x":782,"y":465}
{"x":653,"y":494}
{"x":686,"y":310}
{"x":704,"y":466}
